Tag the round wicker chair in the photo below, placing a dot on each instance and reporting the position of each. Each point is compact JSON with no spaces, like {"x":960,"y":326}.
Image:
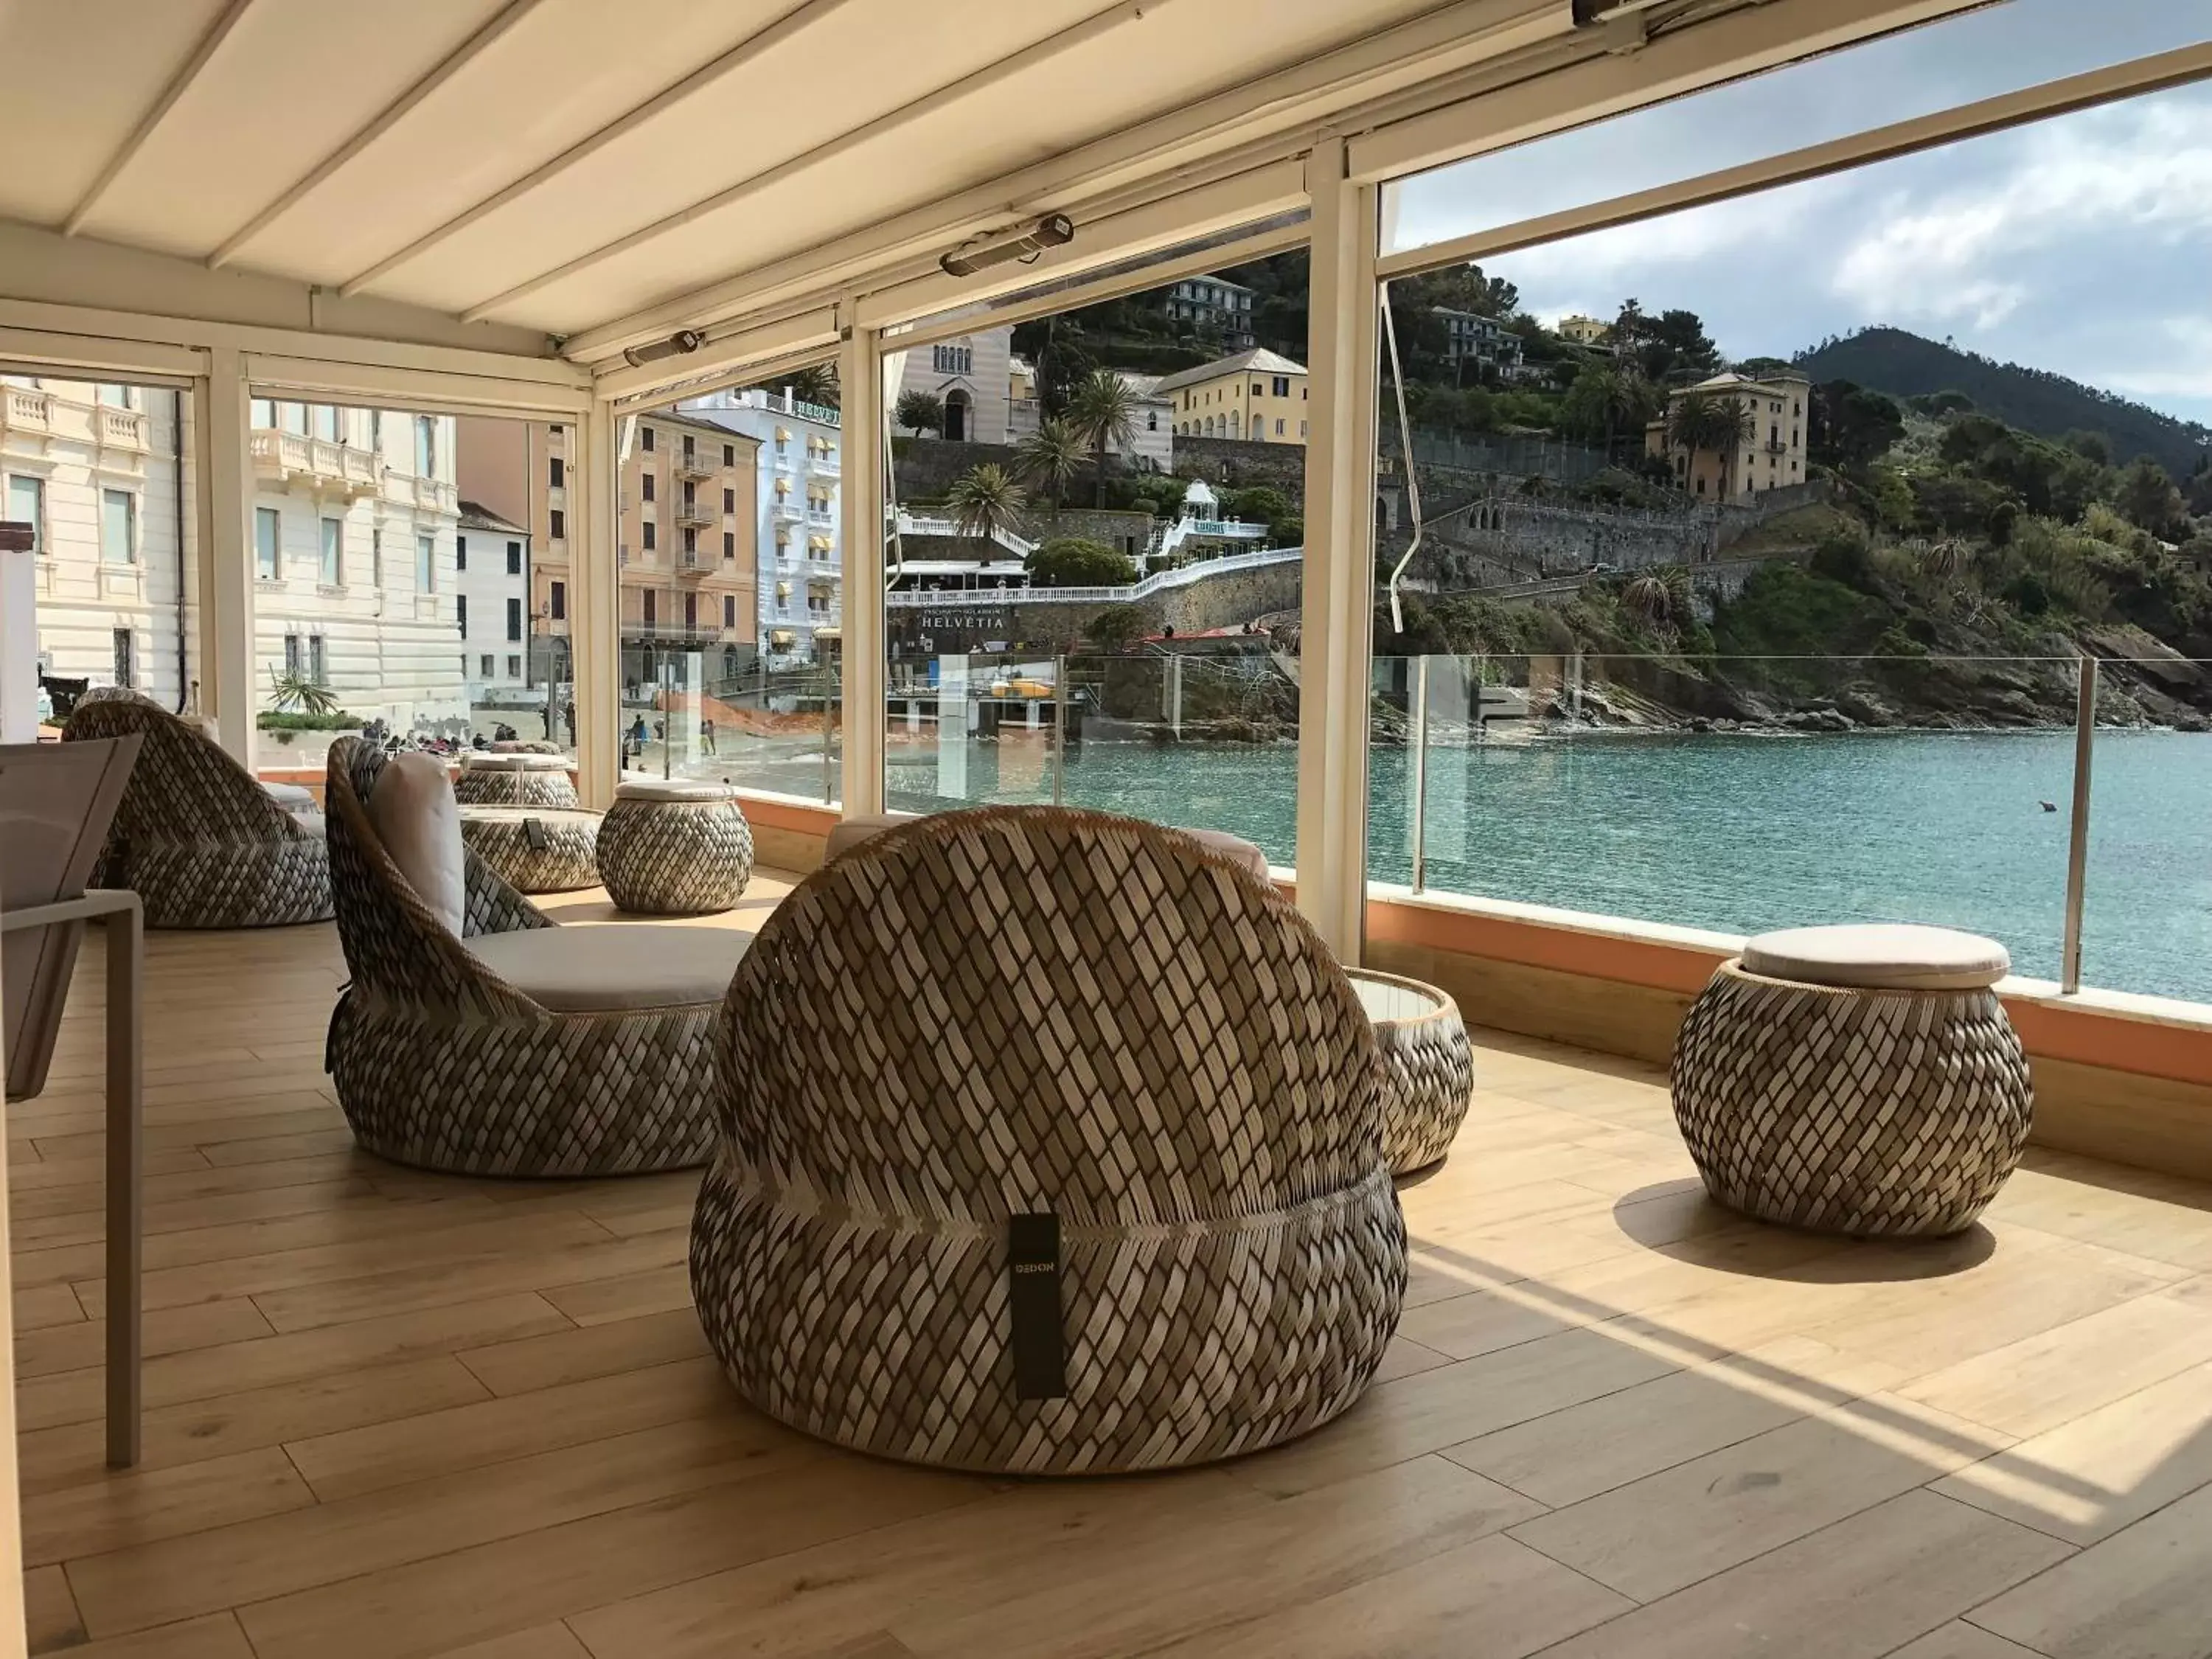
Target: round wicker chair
{"x":441,"y":1062}
{"x":976,"y":1020}
{"x":196,"y":837}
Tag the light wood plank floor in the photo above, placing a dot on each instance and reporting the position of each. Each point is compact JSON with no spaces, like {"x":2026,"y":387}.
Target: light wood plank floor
{"x":393,"y":1414}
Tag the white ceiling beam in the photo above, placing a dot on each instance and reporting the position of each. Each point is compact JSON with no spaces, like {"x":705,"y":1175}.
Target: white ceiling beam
{"x":788,"y":27}
{"x":470,"y":50}
{"x":1278,"y":108}
{"x":906,"y":115}
{"x":180,"y":83}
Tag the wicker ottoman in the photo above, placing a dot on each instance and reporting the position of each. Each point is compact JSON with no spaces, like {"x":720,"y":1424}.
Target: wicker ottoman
{"x":1428,"y":1066}
{"x":1859,"y":1080}
{"x":514,"y":779}
{"x":675,"y":848}
{"x":535,"y":849}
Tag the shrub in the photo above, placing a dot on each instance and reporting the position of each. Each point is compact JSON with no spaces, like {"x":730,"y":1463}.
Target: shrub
{"x":269,"y":719}
{"x":1077,"y":562}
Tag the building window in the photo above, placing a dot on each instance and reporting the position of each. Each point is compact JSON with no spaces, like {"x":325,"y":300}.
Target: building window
{"x":514,"y":558}
{"x":1278,"y":427}
{"x":557,"y":598}
{"x":645,"y":485}
{"x":645,"y":439}
{"x":729,"y":501}
{"x":291,"y":654}
{"x":1282,"y":385}
{"x":461,"y":613}
{"x":116,"y":396}
{"x":729,"y":544}
{"x":690,"y":611}
{"x":729,"y":610}
{"x":729,"y":454}
{"x":333,"y":537}
{"x":953,"y":359}
{"x":126,"y":667}
{"x":649,"y":596}
{"x":649,"y":537}
{"x":426,"y":446}
{"x":118,"y":524}
{"x":483,"y":666}
{"x":514,"y":619}
{"x":266,"y":526}
{"x":460,"y":552}
{"x":559,"y":469}
{"x":376,"y":559}
{"x":319,"y":661}
{"x":557,"y":525}
{"x":1151,"y":420}
{"x":690,"y":540}
{"x":326,"y":423}
{"x":26,"y":504}
{"x":426,"y":564}
{"x":513,"y":666}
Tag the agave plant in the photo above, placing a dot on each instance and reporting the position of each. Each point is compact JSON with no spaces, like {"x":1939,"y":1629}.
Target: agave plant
{"x":292,"y":691}
{"x":1659,"y":598}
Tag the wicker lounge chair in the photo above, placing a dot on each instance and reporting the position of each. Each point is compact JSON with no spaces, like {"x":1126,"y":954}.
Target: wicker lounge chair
{"x":972,"y":1033}
{"x":200,"y":841}
{"x":517,"y":1047}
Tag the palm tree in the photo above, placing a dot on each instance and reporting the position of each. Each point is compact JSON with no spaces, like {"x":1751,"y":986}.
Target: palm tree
{"x":986,"y":502}
{"x":1049,"y":458}
{"x":816,"y":384}
{"x":1103,"y":412}
{"x":1648,"y":599}
{"x":1705,"y":422}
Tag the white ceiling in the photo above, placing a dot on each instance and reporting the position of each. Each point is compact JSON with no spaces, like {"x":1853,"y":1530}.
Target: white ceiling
{"x":558,"y":164}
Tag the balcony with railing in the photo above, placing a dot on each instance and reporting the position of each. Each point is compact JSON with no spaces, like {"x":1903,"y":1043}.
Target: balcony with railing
{"x":690,"y":461}
{"x":22,"y":410}
{"x":286,"y":460}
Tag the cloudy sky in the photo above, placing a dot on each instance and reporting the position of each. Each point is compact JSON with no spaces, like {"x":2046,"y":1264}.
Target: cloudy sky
{"x":2081,"y":244}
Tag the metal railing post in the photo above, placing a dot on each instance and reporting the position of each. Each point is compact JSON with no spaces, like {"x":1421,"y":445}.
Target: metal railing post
{"x":1059,"y":730}
{"x":2077,"y":841}
{"x":828,"y":736}
{"x":1421,"y":764}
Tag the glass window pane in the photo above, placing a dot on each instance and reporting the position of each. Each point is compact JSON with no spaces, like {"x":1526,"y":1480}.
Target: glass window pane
{"x":1919,"y":72}
{"x":268,"y":541}
{"x":96,"y":469}
{"x":723,"y":676}
{"x":1085,"y":594}
{"x":333,"y":533}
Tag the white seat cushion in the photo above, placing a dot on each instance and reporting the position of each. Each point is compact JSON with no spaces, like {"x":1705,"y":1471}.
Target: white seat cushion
{"x":1879,"y":956}
{"x":415,"y":815}
{"x":673,"y":789}
{"x":619,"y":968}
{"x":1246,"y":853}
{"x":478,"y":761}
{"x":292,"y":797}
{"x":861,"y":826}
{"x":1387,"y":999}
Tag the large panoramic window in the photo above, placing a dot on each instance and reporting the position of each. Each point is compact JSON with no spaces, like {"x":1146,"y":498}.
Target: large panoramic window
{"x":1735,"y":567}
{"x":102,"y":473}
{"x":1094,"y":556}
{"x":731,"y":587}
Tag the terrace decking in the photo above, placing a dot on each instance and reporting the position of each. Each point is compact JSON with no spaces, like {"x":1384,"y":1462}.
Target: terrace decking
{"x":391,"y":1413}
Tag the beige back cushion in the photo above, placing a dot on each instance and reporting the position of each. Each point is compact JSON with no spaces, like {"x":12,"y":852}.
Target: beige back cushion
{"x":415,"y":815}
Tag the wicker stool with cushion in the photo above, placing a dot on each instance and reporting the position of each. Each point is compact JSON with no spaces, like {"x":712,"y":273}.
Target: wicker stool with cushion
{"x":675,"y":848}
{"x":991,"y":1022}
{"x":1860,"y":1080}
{"x":535,"y":849}
{"x":476,"y":1036}
{"x":519,"y":778}
{"x":1428,"y":1066}
{"x":196,"y":837}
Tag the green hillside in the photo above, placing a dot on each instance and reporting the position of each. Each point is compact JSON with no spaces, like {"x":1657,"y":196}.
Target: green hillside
{"x":1906,"y":365}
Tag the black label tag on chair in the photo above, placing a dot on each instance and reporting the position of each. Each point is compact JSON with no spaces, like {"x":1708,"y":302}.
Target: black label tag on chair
{"x":1033,"y":1292}
{"x":533,"y":831}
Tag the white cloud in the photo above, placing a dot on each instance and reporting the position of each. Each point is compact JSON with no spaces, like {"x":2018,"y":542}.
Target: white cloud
{"x":2183,"y":368}
{"x":2139,"y":172}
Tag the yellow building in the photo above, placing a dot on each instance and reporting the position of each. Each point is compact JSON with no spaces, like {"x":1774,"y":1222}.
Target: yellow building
{"x":1768,"y":449}
{"x":1584,"y":330}
{"x":1257,"y":396}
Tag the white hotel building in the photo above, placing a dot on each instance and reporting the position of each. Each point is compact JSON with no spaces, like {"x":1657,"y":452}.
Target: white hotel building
{"x":353,"y":544}
{"x":800,"y":540}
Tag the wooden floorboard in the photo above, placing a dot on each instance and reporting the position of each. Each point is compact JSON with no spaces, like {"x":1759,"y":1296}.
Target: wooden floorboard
{"x":393,"y":1414}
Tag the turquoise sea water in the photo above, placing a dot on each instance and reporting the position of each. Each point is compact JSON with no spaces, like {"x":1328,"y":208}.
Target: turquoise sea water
{"x":1732,"y":832}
